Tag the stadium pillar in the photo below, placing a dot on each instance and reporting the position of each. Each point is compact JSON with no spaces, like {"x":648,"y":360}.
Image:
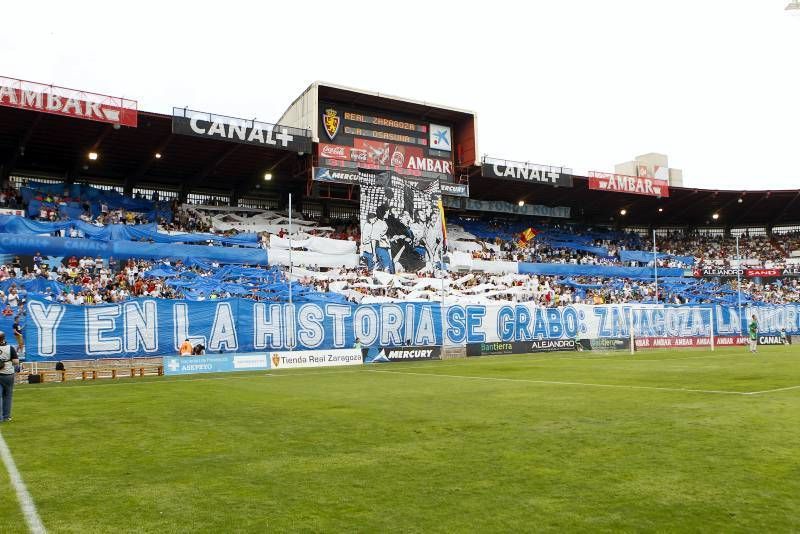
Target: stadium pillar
{"x":183,"y":193}
{"x":234,"y":197}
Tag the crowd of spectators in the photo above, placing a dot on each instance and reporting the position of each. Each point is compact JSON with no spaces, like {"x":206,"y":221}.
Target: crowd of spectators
{"x":103,"y":280}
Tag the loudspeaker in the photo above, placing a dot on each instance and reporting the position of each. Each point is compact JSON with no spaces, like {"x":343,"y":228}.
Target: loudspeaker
{"x":34,"y":379}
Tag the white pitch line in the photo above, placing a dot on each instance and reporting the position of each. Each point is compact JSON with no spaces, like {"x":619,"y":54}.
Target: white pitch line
{"x":25,"y":501}
{"x":134,"y":382}
{"x":772,"y":390}
{"x":559,"y":383}
{"x":606,"y":358}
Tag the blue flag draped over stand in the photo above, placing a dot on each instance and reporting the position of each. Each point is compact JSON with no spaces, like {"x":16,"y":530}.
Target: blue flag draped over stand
{"x":64,"y":246}
{"x":606,"y":271}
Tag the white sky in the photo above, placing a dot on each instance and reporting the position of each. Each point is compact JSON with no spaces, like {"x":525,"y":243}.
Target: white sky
{"x":715,"y":84}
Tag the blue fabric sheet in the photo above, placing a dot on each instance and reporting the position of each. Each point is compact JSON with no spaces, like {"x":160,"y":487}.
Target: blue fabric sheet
{"x":608,"y":271}
{"x":64,"y":246}
{"x":12,"y":224}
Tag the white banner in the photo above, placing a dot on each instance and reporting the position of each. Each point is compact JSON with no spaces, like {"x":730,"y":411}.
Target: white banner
{"x":315,"y":358}
{"x":323,"y":245}
{"x":280,"y":256}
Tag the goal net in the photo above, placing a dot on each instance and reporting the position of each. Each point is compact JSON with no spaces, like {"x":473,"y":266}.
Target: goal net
{"x":671,"y":327}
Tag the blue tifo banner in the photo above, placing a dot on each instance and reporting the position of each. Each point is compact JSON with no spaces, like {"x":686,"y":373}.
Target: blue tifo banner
{"x":609,"y":271}
{"x":64,"y":246}
{"x":216,"y":363}
{"x":153,"y":327}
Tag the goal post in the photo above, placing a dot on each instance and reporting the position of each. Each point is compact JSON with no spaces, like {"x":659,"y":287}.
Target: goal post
{"x":666,"y":327}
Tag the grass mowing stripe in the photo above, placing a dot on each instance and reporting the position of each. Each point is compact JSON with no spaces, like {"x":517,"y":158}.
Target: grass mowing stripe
{"x":559,"y":383}
{"x":25,"y":501}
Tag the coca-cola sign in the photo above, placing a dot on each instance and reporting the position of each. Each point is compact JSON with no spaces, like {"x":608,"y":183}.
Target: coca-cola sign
{"x":67,"y":102}
{"x":636,"y":185}
{"x":334,"y":151}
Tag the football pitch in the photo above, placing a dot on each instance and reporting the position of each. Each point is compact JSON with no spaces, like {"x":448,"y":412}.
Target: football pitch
{"x":666,"y":441}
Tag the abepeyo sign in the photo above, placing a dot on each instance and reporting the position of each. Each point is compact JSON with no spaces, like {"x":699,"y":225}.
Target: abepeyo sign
{"x":216,"y":363}
{"x":521,"y":347}
{"x":300,"y":359}
{"x":402,"y":354}
{"x":67,"y":102}
{"x":637,"y":185}
{"x":249,"y":132}
{"x":524,"y":172}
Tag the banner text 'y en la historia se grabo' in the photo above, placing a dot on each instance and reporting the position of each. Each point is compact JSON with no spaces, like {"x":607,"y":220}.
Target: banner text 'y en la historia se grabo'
{"x":154,"y":327}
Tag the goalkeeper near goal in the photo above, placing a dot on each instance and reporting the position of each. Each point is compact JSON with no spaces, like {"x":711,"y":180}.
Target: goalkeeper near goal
{"x":753,"y":328}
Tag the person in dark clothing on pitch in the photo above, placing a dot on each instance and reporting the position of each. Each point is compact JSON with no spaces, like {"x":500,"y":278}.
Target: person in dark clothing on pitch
{"x":8,"y":363}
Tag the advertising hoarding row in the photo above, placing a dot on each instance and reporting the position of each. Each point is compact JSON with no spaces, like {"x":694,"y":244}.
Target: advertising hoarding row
{"x":235,"y":130}
{"x":636,"y":185}
{"x":74,"y":103}
{"x":746,"y":273}
{"x":260,"y":361}
{"x":525,"y":172}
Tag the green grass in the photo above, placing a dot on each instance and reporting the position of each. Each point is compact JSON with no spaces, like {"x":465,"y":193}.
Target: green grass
{"x":352,"y":449}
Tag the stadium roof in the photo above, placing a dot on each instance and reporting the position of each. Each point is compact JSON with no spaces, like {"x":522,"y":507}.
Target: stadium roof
{"x":35,"y":143}
{"x":44,"y":144}
{"x":685,"y":206}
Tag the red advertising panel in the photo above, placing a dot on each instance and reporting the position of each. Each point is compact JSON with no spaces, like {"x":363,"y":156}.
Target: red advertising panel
{"x":680,"y":342}
{"x":68,"y":102}
{"x":370,"y":153}
{"x":763,"y":273}
{"x":637,"y":185}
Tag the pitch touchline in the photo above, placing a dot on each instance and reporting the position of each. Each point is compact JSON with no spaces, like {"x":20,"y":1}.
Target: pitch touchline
{"x":134,"y":382}
{"x":559,"y":383}
{"x":502,"y":358}
{"x":25,"y":501}
{"x":773,"y":390}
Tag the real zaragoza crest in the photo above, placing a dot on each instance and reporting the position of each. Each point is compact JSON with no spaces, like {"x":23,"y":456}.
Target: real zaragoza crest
{"x":331,"y":121}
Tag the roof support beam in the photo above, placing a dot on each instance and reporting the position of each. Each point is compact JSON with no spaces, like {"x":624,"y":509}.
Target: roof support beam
{"x":140,"y":171}
{"x":20,"y":151}
{"x":746,"y":212}
{"x":204,"y":173}
{"x":696,"y":198}
{"x":785,"y":210}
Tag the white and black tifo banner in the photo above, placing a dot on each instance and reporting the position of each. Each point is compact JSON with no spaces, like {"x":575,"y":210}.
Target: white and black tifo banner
{"x":249,"y":132}
{"x":401,"y":227}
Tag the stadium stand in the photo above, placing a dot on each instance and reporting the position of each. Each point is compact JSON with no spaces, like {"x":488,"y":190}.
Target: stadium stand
{"x":133,"y":228}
